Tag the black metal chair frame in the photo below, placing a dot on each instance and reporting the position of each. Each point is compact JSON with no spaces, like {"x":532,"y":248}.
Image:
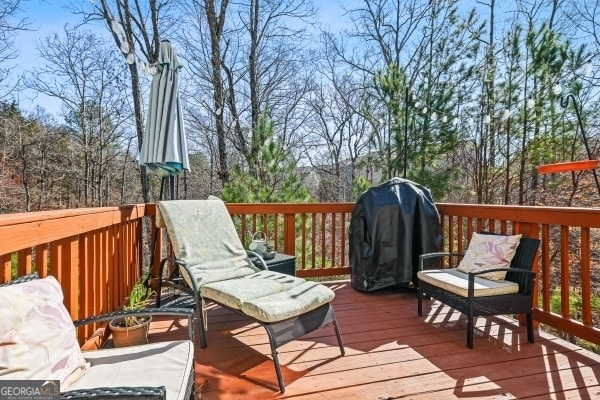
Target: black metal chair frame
{"x":520,"y":272}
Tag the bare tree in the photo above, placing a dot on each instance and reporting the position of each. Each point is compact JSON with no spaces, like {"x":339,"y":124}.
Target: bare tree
{"x":216,"y":23}
{"x":32,"y":163}
{"x":340,"y":130}
{"x":584,"y":21}
{"x":88,"y":79}
{"x":269,"y":71}
{"x":12,"y":123}
{"x":256,"y":60}
{"x":10,"y":24}
{"x":420,"y":57}
{"x":388,"y":31}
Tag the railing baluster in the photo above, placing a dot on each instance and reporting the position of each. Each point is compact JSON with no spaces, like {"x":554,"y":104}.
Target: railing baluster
{"x":275,"y":239}
{"x":545,"y":249}
{"x":333,"y":238}
{"x":314,"y":241}
{"x":303,"y":242}
{"x":5,"y":267}
{"x":24,"y":261}
{"x":343,"y":240}
{"x":586,"y":278}
{"x":564,"y":270}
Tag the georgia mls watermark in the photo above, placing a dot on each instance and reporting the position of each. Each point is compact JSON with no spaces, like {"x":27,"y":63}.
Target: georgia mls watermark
{"x":29,"y":390}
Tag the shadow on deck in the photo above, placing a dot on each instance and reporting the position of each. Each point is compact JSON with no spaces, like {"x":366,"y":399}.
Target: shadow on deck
{"x":391,"y":353}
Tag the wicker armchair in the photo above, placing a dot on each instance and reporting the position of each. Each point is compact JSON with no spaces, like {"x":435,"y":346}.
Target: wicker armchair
{"x":481,"y":297}
{"x":163,"y":370}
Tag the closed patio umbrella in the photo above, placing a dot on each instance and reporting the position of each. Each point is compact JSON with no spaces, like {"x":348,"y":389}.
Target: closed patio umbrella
{"x":164,"y":149}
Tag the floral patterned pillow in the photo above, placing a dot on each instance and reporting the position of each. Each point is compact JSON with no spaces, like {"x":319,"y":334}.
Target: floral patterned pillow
{"x":488,"y":252}
{"x":37,"y":336}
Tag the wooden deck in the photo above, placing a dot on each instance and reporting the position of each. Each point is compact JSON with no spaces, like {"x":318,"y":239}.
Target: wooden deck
{"x":391,"y":353}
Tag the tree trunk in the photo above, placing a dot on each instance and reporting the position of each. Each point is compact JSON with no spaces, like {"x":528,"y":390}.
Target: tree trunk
{"x":215,"y":24}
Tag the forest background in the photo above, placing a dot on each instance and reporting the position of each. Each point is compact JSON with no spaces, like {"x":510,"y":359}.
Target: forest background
{"x":466,"y":98}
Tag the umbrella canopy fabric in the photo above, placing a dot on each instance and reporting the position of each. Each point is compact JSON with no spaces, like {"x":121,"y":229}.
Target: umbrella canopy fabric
{"x":164,"y":149}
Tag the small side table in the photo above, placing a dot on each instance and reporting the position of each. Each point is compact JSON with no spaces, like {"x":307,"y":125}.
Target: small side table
{"x":282,"y":263}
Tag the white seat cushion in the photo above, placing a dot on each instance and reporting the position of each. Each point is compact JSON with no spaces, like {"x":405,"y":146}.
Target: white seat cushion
{"x":158,"y":364}
{"x":457,"y":282}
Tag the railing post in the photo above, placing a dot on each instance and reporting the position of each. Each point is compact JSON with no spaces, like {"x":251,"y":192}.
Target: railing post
{"x":289,"y":234}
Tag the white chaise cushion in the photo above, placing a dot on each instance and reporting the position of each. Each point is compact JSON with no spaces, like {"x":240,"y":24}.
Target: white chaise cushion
{"x":457,"y":282}
{"x":158,"y":364}
{"x":235,"y":292}
{"x":289,"y":303}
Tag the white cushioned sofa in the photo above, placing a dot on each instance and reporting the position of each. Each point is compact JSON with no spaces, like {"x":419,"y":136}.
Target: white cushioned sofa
{"x":38,"y":342}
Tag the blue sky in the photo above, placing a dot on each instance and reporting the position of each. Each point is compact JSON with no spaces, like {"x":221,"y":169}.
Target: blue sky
{"x":49,"y":16}
{"x":46,"y":17}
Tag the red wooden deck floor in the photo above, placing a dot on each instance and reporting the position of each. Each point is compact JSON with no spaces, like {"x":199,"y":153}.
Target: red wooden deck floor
{"x":391,"y":353}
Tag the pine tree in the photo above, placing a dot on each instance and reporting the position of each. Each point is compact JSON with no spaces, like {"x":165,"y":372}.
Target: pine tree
{"x":271,"y":176}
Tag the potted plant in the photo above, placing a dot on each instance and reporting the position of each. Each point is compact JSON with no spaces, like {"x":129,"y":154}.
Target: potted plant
{"x":133,"y":330}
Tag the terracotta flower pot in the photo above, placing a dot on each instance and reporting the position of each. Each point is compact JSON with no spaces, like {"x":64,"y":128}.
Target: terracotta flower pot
{"x":130,"y":335}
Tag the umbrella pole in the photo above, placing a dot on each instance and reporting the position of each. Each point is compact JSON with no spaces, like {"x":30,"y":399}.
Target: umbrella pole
{"x":170,"y":183}
{"x":163,"y":183}
{"x":172,"y":187}
{"x":154,"y":242}
{"x":162,"y":187}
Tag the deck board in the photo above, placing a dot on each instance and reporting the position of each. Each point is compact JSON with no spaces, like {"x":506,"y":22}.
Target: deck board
{"x":391,"y":353}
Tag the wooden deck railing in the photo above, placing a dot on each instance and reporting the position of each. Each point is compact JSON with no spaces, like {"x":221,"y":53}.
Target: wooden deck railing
{"x":317,"y":234}
{"x":96,"y":253}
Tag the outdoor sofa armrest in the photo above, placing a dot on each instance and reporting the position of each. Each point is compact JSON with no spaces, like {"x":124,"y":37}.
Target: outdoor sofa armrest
{"x":440,"y":254}
{"x":111,"y":393}
{"x":523,"y":278}
{"x":181,"y":312}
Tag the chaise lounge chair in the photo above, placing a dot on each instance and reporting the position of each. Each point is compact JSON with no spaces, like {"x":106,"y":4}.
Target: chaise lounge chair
{"x":215,"y":266}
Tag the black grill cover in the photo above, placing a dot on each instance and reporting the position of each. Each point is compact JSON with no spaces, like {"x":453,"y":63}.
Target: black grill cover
{"x":392,"y":224}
